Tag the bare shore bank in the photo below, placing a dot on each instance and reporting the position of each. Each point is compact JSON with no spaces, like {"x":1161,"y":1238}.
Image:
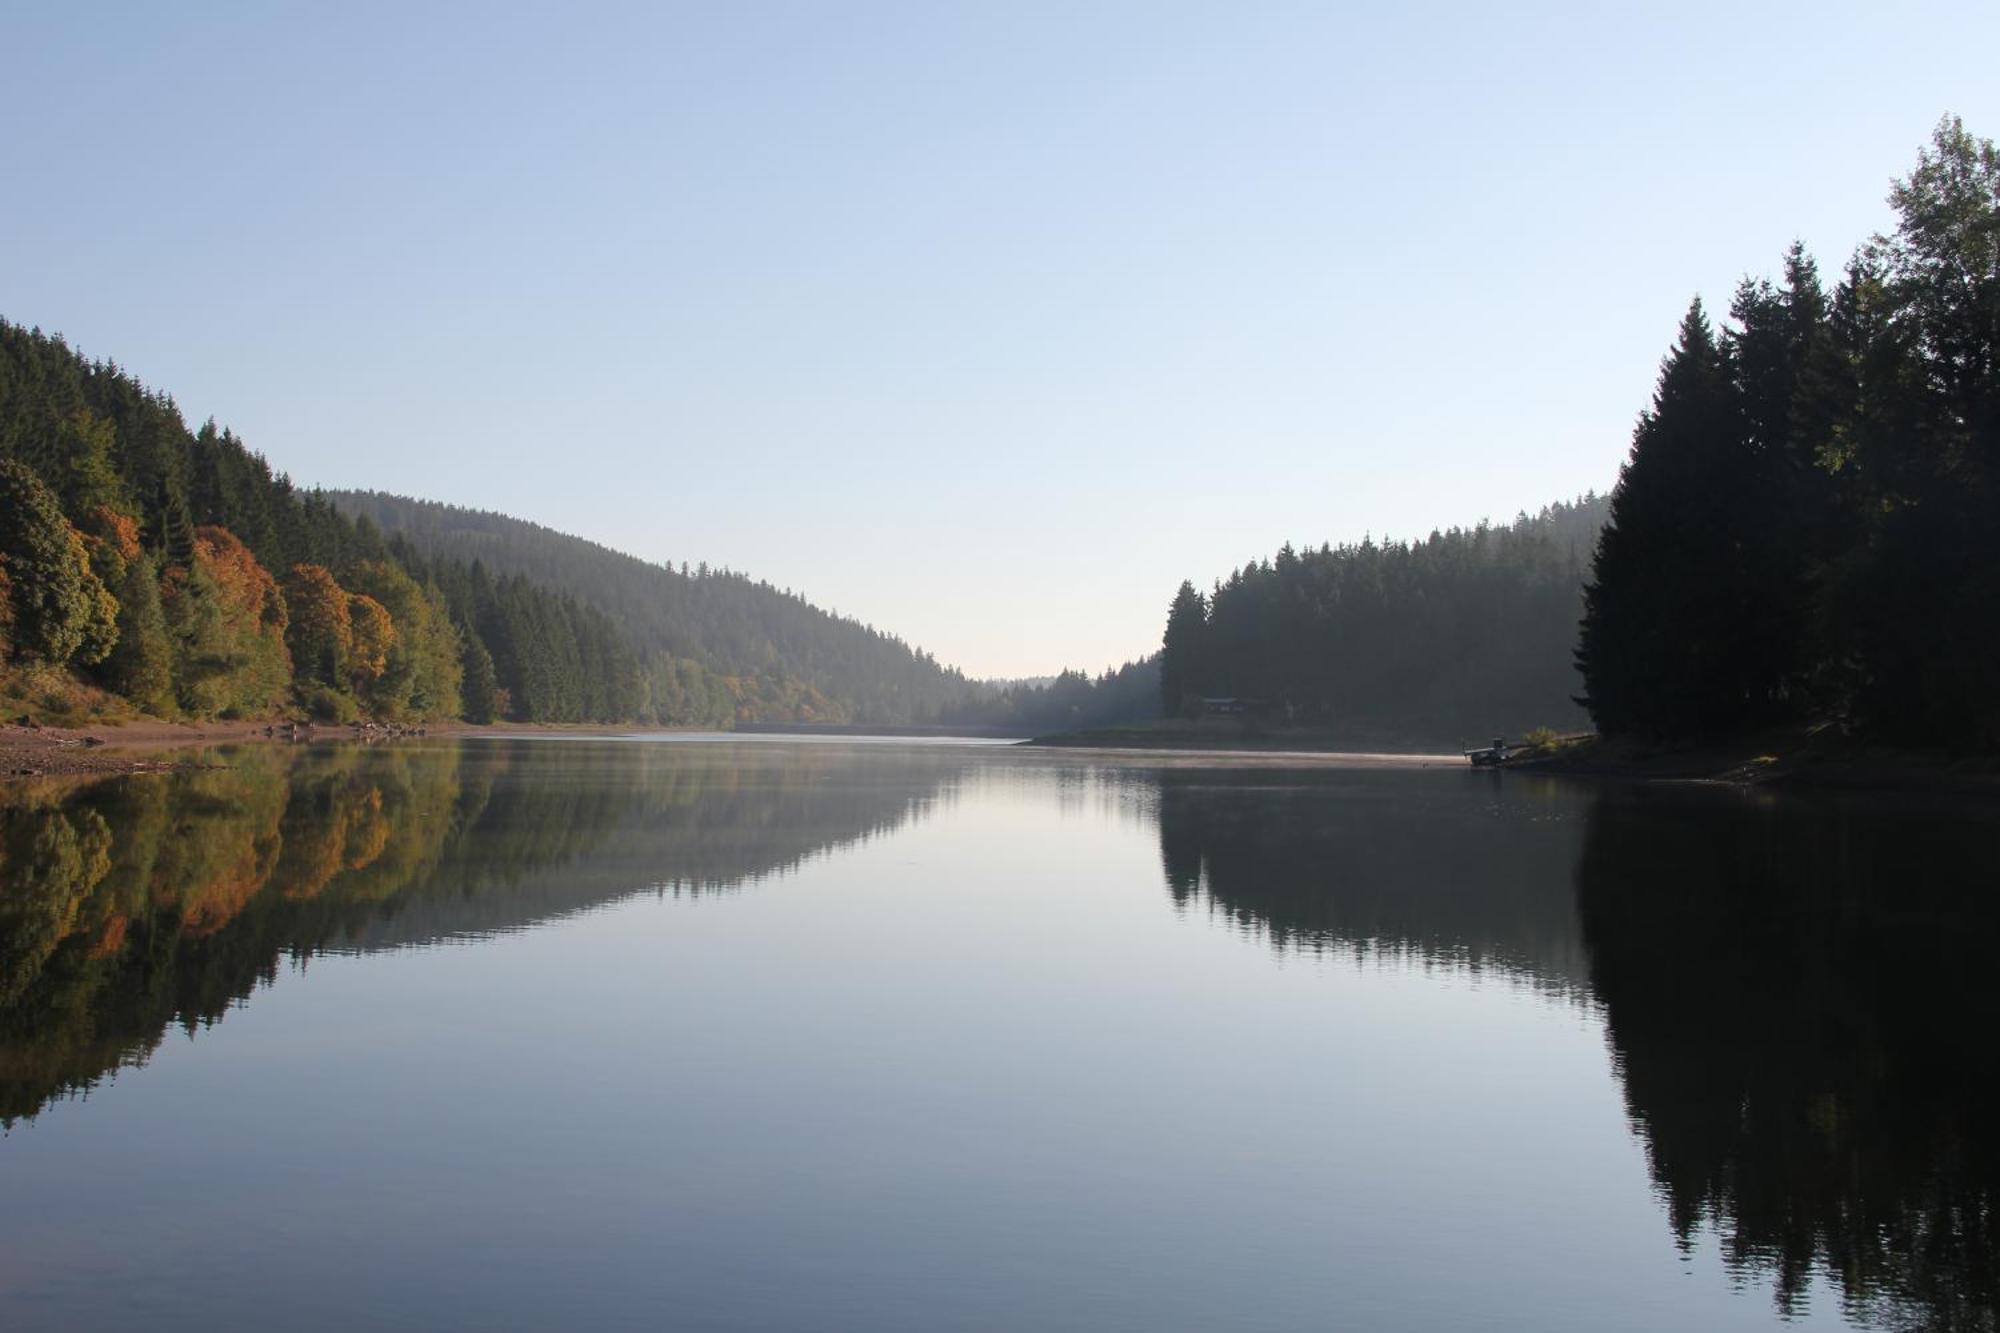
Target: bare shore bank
{"x":1815,"y":758}
{"x":1819,"y":758}
{"x":149,"y":745}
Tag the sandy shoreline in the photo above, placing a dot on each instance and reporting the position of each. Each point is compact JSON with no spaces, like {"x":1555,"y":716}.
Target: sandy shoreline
{"x":136,"y":747}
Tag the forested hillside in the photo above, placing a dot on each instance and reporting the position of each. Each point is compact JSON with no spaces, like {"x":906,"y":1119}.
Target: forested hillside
{"x":715,"y":645}
{"x":1460,"y":635}
{"x":147,"y":567}
{"x":1809,"y":523}
{"x":1807,"y":528}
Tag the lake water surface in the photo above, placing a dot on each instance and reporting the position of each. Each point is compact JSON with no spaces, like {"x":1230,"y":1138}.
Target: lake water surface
{"x":765,"y":1035}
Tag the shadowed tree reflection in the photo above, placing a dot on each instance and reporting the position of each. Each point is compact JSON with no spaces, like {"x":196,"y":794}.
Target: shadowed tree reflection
{"x":1802,"y":1000}
{"x":1466,"y":873}
{"x":129,"y":905}
{"x":1800,"y":996}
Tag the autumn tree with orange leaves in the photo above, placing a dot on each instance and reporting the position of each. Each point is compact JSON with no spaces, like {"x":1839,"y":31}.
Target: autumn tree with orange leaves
{"x":227,"y":618}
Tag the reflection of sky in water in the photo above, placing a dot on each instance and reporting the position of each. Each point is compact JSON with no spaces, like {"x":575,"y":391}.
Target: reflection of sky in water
{"x":966,"y":1063}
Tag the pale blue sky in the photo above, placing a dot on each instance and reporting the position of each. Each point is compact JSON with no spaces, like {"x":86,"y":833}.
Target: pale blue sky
{"x":986,"y":324}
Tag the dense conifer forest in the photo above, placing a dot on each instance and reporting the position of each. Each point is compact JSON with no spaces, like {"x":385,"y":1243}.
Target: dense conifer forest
{"x":715,"y":646}
{"x":718,"y":647}
{"x":1807,"y":529}
{"x":1808,"y":526}
{"x":1452,"y":637}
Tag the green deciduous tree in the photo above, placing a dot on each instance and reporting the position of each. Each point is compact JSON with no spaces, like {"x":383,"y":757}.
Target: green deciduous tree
{"x":423,"y":668}
{"x":140,"y":663}
{"x":227,"y":619}
{"x":1917,"y":596}
{"x":60,"y":609}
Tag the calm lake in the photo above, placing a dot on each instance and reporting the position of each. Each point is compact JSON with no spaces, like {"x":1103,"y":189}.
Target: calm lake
{"x":765,"y":1034}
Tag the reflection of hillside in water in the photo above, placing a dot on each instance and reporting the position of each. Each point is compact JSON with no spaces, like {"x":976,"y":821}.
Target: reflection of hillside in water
{"x":131,"y":904}
{"x":1448,"y":869}
{"x":1803,"y":1003}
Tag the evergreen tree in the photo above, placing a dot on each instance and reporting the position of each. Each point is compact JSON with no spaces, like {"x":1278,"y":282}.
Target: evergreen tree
{"x":1781,"y":498}
{"x":140,"y":666}
{"x":1182,"y":651}
{"x":81,"y":468}
{"x":1671,"y":639}
{"x":478,"y":683}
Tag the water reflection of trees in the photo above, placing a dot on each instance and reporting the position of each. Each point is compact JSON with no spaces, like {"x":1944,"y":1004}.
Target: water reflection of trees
{"x":1447,"y":869}
{"x":1803,"y":1002}
{"x":1802,"y":998}
{"x":133,"y":904}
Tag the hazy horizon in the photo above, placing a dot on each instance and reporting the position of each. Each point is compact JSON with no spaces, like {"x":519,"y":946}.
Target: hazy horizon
{"x":983,"y":327}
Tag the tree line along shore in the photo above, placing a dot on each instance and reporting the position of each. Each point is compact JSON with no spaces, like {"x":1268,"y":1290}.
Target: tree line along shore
{"x":1803,"y":544}
{"x":150,"y":570}
{"x":1802,"y":551}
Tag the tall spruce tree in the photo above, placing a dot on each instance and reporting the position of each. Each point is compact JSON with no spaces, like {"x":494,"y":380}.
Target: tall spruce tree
{"x":1182,"y":650}
{"x":1779,"y":357}
{"x":478,"y":684}
{"x":1672,"y":637}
